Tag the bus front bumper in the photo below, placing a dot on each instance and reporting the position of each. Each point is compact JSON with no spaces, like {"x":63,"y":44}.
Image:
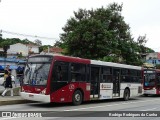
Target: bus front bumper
{"x":35,"y":97}
{"x":150,"y":92}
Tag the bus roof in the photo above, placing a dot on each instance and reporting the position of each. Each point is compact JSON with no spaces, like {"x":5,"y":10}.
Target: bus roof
{"x":88,"y":61}
{"x":95,"y":62}
{"x":72,"y":59}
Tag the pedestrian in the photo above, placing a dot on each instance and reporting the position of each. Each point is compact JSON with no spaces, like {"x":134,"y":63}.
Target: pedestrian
{"x":8,"y":85}
{"x":6,"y":71}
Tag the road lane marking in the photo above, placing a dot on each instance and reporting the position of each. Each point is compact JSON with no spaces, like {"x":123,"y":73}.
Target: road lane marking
{"x":149,"y":109}
{"x":6,"y":118}
{"x":126,"y":103}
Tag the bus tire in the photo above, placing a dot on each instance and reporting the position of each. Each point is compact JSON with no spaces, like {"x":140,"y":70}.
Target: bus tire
{"x":146,"y":95}
{"x":126,"y":94}
{"x":77,"y":97}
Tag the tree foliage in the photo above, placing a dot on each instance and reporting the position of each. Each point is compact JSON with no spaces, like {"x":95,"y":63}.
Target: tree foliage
{"x":157,"y":66}
{"x":10,"y":41}
{"x":0,"y":37}
{"x":101,"y":34}
{"x":38,"y":42}
{"x":141,"y":40}
{"x":44,"y":47}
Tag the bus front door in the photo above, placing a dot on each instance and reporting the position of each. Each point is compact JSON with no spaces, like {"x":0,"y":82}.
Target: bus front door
{"x":95,"y":77}
{"x":116,"y":82}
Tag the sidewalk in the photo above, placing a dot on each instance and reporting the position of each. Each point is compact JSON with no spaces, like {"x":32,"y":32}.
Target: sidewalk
{"x":8,"y":100}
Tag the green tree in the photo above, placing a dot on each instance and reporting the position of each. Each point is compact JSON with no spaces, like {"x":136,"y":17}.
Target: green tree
{"x":44,"y":47}
{"x":10,"y":41}
{"x":100,"y":34}
{"x":149,"y":50}
{"x":58,"y":44}
{"x":26,"y":41}
{"x":141,"y":41}
{"x":38,"y":42}
{"x":0,"y":36}
{"x":158,"y":66}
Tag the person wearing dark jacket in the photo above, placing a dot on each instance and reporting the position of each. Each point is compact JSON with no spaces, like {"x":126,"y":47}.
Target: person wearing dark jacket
{"x":8,"y":85}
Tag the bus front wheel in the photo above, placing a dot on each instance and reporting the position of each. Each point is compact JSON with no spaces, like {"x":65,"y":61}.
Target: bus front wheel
{"x":77,"y":97}
{"x":126,"y":94}
{"x":146,"y":95}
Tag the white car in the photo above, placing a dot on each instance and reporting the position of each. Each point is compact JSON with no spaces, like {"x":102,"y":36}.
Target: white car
{"x":2,"y":79}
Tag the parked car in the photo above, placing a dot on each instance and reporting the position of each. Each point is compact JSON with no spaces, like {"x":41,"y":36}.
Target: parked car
{"x":2,"y":81}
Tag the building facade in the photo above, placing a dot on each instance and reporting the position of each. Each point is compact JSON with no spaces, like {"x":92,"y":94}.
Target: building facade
{"x":22,"y":49}
{"x":153,"y":58}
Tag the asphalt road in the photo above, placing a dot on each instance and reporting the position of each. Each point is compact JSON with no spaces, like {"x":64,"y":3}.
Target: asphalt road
{"x":101,"y":110}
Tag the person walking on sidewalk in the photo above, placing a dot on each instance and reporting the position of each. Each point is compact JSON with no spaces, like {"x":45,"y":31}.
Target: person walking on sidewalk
{"x":8,"y":85}
{"x":6,"y":71}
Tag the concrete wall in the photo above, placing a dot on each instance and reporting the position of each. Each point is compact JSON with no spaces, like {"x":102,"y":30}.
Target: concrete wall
{"x":35,"y":49}
{"x":17,"y":48}
{"x":152,"y":56}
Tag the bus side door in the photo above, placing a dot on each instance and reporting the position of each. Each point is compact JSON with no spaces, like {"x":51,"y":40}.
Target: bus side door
{"x":116,"y":82}
{"x":95,"y":81}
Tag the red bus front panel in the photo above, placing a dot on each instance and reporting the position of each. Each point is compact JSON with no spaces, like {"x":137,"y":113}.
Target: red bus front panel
{"x":65,"y":93}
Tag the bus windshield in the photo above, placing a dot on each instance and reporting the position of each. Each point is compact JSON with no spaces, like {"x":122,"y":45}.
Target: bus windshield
{"x":149,"y":79}
{"x":36,"y":73}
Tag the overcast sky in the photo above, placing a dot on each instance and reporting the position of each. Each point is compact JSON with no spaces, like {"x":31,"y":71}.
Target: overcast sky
{"x":47,"y":17}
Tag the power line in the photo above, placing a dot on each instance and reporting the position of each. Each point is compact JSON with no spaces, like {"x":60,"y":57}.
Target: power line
{"x":27,"y":35}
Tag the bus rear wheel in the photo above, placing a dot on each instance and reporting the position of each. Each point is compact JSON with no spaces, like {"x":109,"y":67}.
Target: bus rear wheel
{"x":77,"y":97}
{"x":126,"y":94}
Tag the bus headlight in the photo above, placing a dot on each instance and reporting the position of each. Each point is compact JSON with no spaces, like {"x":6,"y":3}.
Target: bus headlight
{"x":22,"y":89}
{"x":43,"y":91}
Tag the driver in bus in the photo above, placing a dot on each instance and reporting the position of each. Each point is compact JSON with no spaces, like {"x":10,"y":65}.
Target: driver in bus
{"x":151,"y":82}
{"x":59,"y":73}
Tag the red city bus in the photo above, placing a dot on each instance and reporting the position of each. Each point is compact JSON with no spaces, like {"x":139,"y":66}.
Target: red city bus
{"x":57,"y":78}
{"x":151,"y":84}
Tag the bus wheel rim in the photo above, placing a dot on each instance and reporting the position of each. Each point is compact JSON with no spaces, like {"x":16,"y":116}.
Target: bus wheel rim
{"x":77,"y":97}
{"x":127,"y":95}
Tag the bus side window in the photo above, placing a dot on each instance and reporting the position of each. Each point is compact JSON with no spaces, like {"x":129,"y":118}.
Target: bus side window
{"x":106,"y":74}
{"x":60,"y":71}
{"x":125,"y":78}
{"x":158,"y":78}
{"x":136,"y":76}
{"x":78,"y":72}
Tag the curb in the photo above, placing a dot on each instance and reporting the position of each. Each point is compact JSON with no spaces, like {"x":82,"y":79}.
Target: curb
{"x":16,"y":91}
{"x":11,"y":102}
